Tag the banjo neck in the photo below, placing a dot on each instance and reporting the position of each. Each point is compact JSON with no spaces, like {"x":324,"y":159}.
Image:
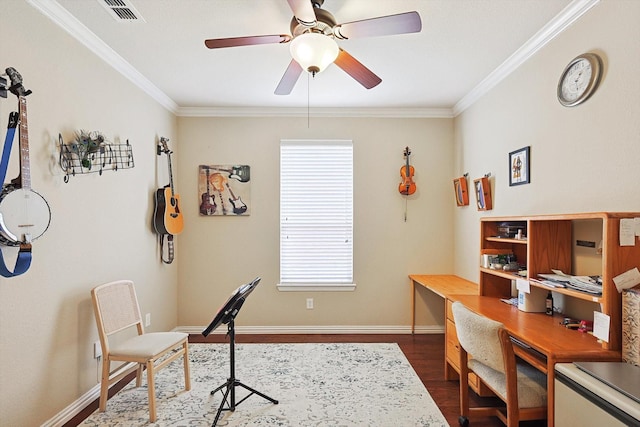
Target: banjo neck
{"x":24,"y":179}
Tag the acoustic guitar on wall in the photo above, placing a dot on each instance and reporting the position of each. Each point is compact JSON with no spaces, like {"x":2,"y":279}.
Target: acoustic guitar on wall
{"x":167,"y":216}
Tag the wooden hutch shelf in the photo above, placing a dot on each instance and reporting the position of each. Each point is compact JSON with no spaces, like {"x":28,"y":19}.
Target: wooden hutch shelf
{"x":550,"y":244}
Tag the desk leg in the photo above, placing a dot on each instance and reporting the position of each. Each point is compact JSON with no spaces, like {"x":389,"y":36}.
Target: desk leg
{"x":413,"y":307}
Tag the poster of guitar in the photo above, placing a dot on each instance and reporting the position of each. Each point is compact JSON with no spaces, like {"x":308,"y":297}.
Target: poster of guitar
{"x":224,"y":189}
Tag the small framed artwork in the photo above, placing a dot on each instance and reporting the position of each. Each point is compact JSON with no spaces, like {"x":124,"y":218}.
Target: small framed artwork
{"x":482,"y":189}
{"x":224,"y":189}
{"x":461,"y":191}
{"x":519,"y":167}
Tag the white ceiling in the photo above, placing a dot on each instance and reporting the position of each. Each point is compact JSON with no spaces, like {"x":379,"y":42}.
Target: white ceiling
{"x":464,"y":46}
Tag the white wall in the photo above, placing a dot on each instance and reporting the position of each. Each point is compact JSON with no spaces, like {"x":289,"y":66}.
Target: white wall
{"x":217,"y":254}
{"x":583,"y":159}
{"x":101,"y":225}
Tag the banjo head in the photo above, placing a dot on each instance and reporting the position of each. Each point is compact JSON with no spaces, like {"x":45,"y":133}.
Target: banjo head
{"x":24,"y":216}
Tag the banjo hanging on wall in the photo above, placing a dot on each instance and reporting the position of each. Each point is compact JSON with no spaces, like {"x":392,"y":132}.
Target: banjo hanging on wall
{"x":24,"y":214}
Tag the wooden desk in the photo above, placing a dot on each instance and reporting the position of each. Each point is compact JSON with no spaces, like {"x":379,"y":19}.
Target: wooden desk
{"x":442,"y":285}
{"x":446,"y":286}
{"x":549,"y":342}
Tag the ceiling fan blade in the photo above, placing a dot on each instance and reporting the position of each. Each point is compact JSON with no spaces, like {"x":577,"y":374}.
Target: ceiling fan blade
{"x":289,"y":79}
{"x":402,"y":23}
{"x":355,"y":69}
{"x":303,"y":11}
{"x":246,"y":41}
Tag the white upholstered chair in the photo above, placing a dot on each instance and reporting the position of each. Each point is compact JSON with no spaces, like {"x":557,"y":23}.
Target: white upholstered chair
{"x":520,"y":386}
{"x":116,"y":309}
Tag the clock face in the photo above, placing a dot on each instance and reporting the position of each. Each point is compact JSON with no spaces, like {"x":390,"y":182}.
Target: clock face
{"x":579,"y":80}
{"x":576,"y":80}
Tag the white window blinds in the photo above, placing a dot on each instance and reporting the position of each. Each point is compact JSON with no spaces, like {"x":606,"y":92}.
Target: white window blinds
{"x":316,"y":213}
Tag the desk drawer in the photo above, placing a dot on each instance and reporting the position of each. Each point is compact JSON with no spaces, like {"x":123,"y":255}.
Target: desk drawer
{"x":452,"y":348}
{"x":449,"y":311}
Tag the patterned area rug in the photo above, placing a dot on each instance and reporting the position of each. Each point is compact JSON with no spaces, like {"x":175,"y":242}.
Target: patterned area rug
{"x":316,"y":385}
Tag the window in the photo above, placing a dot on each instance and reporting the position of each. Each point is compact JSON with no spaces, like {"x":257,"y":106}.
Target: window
{"x":316,"y":215}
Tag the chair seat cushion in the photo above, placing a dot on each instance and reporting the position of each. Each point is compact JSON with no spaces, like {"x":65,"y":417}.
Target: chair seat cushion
{"x":146,"y":346}
{"x":532,"y":384}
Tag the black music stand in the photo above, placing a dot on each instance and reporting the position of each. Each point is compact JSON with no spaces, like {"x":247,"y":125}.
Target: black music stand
{"x":227,"y":314}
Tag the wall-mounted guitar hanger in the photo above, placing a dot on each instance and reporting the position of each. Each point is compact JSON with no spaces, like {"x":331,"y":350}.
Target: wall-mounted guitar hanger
{"x":3,"y":87}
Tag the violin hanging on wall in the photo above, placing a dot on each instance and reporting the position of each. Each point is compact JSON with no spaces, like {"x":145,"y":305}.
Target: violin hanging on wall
{"x":407,"y":186}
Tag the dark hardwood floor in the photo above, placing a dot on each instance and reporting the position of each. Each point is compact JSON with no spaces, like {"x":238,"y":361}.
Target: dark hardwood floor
{"x":424,"y":352}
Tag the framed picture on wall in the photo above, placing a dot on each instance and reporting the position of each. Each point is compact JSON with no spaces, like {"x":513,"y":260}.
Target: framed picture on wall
{"x":224,"y":190}
{"x":482,"y":189}
{"x":461,"y":191}
{"x":519,"y":164}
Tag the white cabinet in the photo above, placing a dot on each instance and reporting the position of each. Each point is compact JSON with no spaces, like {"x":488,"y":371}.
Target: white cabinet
{"x":583,"y":401}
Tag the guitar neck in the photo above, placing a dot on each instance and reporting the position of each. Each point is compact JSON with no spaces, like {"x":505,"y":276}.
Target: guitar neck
{"x":230,"y":191}
{"x":24,"y":179}
{"x":170,"y":174}
{"x":165,"y":148}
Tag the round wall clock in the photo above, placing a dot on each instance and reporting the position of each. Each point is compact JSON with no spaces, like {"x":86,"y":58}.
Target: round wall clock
{"x":580,"y":79}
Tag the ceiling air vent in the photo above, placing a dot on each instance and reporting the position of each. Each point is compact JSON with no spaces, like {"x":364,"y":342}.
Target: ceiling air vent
{"x":122,"y":10}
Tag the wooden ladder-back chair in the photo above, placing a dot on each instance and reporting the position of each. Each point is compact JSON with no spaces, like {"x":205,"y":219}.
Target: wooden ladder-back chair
{"x":116,"y":309}
{"x":520,"y":386}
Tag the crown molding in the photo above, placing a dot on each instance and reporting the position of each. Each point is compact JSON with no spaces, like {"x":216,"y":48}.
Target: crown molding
{"x":557,"y":25}
{"x":60,"y":16}
{"x":314,"y":112}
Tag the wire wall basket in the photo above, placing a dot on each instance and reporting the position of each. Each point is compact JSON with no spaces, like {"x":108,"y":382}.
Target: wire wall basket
{"x":90,"y":153}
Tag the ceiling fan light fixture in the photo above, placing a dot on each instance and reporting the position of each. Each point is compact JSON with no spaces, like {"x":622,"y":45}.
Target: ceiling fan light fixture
{"x":313,"y":51}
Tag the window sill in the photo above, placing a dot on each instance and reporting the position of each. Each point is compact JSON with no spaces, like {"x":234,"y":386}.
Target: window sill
{"x":316,"y":288}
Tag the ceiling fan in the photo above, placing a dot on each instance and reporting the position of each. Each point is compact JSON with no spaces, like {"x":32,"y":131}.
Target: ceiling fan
{"x":313,"y":46}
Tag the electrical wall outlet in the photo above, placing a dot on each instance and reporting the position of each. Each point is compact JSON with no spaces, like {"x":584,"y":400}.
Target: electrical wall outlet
{"x":309,"y":303}
{"x":147,"y":319}
{"x":97,"y":350}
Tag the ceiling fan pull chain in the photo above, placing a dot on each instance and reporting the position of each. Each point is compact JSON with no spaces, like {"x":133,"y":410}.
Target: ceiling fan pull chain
{"x":308,"y":96}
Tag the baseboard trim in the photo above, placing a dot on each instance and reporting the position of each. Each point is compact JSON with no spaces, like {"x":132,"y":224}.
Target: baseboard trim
{"x":433,"y":329}
{"x":74,"y":409}
{"x":91,"y":396}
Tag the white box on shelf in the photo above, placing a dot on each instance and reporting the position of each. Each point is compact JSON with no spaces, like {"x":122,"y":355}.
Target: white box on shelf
{"x":534,"y":301}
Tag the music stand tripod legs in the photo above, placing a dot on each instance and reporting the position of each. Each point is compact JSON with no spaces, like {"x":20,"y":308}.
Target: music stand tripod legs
{"x":233,"y":382}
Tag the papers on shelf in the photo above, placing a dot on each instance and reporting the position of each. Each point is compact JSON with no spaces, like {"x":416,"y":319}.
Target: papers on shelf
{"x":588,"y":284}
{"x":548,"y":283}
{"x":558,"y":276}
